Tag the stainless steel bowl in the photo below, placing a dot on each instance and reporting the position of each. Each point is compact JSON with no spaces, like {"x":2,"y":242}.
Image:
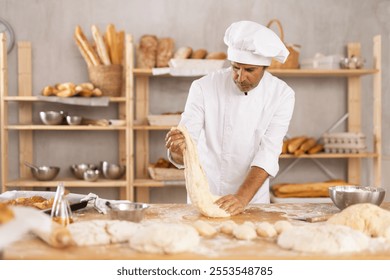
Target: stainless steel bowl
{"x":344,"y":196}
{"x":74,"y":120}
{"x":45,"y":173}
{"x":128,"y":211}
{"x":91,"y":175}
{"x":51,"y":117}
{"x":79,"y":169}
{"x":112,"y":171}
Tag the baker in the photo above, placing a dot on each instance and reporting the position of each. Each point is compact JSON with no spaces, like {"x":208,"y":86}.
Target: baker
{"x":238,"y":117}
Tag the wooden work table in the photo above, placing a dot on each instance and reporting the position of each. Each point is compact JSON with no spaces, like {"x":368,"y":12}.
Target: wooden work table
{"x":219,"y":247}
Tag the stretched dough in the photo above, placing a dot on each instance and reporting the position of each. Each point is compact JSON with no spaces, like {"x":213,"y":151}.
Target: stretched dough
{"x":365,"y":217}
{"x":323,"y":238}
{"x":196,"y":181}
{"x":165,"y":238}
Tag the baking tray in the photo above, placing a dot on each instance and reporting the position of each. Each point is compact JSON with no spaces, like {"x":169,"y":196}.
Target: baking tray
{"x":74,"y":199}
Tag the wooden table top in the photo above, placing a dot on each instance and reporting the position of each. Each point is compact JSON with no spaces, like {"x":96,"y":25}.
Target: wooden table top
{"x":218,"y":247}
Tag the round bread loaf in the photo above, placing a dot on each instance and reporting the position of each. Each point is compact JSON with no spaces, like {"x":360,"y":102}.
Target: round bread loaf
{"x":199,"y":54}
{"x":183,"y":52}
{"x":216,"y":55}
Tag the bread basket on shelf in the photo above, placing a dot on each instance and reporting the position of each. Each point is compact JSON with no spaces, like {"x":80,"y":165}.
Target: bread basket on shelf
{"x":292,"y":61}
{"x":165,"y":174}
{"x":108,"y":78}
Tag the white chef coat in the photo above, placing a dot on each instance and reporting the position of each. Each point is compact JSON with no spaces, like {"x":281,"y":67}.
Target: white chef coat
{"x":234,"y":131}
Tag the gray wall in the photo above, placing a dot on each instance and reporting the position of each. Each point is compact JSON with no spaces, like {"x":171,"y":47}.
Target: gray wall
{"x":324,"y":26}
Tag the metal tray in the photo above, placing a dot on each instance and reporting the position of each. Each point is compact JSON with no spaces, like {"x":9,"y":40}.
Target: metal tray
{"x":74,"y":199}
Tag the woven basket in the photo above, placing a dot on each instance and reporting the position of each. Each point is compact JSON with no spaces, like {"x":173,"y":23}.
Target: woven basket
{"x":292,"y":61}
{"x":108,"y":78}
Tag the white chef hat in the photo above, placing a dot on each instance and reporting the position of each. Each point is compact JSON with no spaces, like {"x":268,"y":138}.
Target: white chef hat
{"x":252,"y":43}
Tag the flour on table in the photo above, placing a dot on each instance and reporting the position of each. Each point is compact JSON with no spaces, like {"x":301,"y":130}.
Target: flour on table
{"x":323,"y":238}
{"x":196,"y":181}
{"x":367,"y":218}
{"x":165,"y":238}
{"x":101,"y":232}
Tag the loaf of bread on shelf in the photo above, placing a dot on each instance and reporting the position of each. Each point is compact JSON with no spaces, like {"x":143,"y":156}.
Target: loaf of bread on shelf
{"x":305,"y":146}
{"x":183,"y":53}
{"x":216,"y":55}
{"x":294,"y":143}
{"x":199,"y":54}
{"x":100,"y":45}
{"x":147,"y":52}
{"x":316,"y":149}
{"x":312,"y":189}
{"x":70,"y":89}
{"x":165,"y":50}
{"x":86,"y":49}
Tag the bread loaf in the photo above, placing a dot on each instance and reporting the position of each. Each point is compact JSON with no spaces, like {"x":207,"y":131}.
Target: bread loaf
{"x":86,"y":48}
{"x":316,"y":149}
{"x":100,"y":45}
{"x":147,"y":51}
{"x":199,"y":54}
{"x":295,"y":143}
{"x":183,"y":53}
{"x":165,"y":49}
{"x":111,"y":38}
{"x":216,"y":55}
{"x":305,"y":146}
{"x":120,"y":45}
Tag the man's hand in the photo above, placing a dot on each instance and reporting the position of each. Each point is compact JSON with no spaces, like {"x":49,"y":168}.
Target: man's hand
{"x":232,"y":204}
{"x":175,"y":143}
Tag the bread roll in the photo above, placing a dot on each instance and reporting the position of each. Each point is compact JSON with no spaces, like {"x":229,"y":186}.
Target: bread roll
{"x":165,"y":49}
{"x":48,"y":90}
{"x":147,"y":51}
{"x":295,"y":143}
{"x":305,"y":146}
{"x":183,"y":53}
{"x":199,"y":54}
{"x":216,"y":55}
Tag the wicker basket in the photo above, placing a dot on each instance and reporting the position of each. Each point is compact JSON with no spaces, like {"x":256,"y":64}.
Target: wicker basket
{"x":108,"y":78}
{"x":292,"y":61}
{"x":166,"y":174}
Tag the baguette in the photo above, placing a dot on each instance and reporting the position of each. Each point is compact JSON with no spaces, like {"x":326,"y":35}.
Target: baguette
{"x":316,"y":149}
{"x":100,"y":45}
{"x":83,"y":52}
{"x":112,"y":42}
{"x":120,"y":45}
{"x":86,"y":46}
{"x":295,"y":143}
{"x":306,"y":145}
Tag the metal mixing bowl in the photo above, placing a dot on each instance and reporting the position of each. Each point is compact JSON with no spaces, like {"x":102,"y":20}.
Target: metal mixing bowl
{"x":45,"y":173}
{"x":74,"y":120}
{"x":112,"y":171}
{"x":78,"y":169}
{"x":51,"y":117}
{"x":344,"y":196}
{"x":128,"y":211}
{"x":91,"y":175}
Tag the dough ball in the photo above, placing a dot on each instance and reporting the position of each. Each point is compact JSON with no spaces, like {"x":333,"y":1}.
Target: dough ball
{"x":164,"y":238}
{"x":365,"y":217}
{"x":204,"y":228}
{"x":249,"y":223}
{"x":121,"y":231}
{"x":323,"y":238}
{"x":88,"y":233}
{"x":282,"y":225}
{"x":265,"y":229}
{"x":227,"y":227}
{"x":244,"y":232}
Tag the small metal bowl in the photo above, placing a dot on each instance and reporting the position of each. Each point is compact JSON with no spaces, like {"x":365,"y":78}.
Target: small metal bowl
{"x":51,"y":117}
{"x":45,"y":173}
{"x":79,"y":169}
{"x":112,"y":171}
{"x":91,"y":175}
{"x":74,"y":120}
{"x":344,"y":196}
{"x":128,"y":211}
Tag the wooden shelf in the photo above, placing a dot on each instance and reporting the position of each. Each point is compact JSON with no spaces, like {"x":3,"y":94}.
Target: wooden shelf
{"x":36,"y":99}
{"x":151,"y":127}
{"x":63,"y":127}
{"x":325,"y":155}
{"x":69,"y":182}
{"x":153,"y":183}
{"x":290,"y":72}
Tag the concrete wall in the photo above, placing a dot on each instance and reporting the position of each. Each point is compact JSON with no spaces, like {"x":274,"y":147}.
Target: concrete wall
{"x":324,"y":26}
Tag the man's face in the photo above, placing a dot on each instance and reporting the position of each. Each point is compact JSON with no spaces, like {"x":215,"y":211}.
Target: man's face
{"x":247,"y":76}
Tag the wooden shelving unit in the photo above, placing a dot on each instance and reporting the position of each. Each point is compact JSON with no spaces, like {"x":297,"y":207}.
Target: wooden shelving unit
{"x":141,"y":128}
{"x":25,"y":127}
